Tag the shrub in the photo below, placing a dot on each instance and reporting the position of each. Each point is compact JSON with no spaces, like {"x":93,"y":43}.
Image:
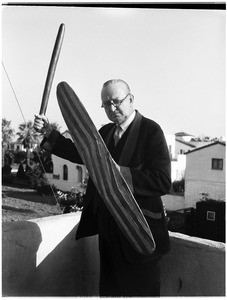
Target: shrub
{"x":46,"y":189}
{"x":20,"y":157}
{"x":45,"y":158}
{"x":8,"y":157}
{"x":178,"y":185}
{"x":71,"y":201}
{"x":20,"y":172}
{"x":38,"y":181}
{"x":36,"y":177}
{"x":7,"y":178}
{"x":6,"y":170}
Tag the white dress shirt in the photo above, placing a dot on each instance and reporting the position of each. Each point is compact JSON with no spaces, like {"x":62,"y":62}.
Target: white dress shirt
{"x":124,"y":126}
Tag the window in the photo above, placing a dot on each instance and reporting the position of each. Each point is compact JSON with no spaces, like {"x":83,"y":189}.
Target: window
{"x":210,"y":215}
{"x":65,"y":172}
{"x":80,"y":173}
{"x":182,"y":151}
{"x":217,"y":164}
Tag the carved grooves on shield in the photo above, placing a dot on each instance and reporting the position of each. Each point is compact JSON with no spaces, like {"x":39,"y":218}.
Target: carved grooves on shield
{"x":69,"y":109}
{"x":113,"y":194}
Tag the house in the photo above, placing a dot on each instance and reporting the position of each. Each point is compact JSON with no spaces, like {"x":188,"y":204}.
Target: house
{"x":205,"y":172}
{"x":66,"y":174}
{"x":178,"y":144}
{"x":16,"y":146}
{"x":183,"y":146}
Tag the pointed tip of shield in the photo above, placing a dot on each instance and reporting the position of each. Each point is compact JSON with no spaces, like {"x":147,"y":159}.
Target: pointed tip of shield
{"x":61,"y":85}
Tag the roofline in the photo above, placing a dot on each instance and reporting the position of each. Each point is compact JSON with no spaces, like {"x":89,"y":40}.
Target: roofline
{"x":199,"y":148}
{"x":185,"y":143}
{"x":182,"y":133}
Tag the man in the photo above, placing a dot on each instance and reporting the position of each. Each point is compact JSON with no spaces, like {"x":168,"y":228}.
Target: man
{"x":138,"y":146}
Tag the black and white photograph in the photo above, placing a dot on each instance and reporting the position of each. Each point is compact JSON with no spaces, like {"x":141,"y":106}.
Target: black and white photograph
{"x":113,"y":149}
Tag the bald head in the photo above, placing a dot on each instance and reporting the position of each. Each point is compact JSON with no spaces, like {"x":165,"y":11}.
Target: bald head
{"x":119,"y":83}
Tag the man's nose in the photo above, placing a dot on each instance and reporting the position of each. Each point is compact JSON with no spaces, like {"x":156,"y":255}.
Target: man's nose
{"x":112,"y":107}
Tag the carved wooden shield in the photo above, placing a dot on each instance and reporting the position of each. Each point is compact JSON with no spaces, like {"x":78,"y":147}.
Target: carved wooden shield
{"x":103,"y":171}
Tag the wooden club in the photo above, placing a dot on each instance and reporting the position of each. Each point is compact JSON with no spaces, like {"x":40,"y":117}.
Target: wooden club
{"x":52,"y":68}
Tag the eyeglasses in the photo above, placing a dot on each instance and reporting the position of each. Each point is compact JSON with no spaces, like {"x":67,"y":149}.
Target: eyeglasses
{"x":115,"y":102}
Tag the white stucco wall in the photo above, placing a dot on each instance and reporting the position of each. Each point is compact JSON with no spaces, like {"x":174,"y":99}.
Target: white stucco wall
{"x":174,"y":202}
{"x":178,"y":167}
{"x":193,"y":190}
{"x":199,"y":176}
{"x":181,"y":146}
{"x":170,"y":140}
{"x":41,"y":258}
{"x":73,"y":180}
{"x":199,"y":164}
{"x":73,"y":174}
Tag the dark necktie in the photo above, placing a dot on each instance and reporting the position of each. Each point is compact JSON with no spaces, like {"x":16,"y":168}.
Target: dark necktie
{"x":117,"y":134}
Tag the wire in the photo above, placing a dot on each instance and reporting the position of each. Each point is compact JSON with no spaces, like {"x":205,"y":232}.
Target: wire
{"x":13,"y":91}
{"x":26,"y":123}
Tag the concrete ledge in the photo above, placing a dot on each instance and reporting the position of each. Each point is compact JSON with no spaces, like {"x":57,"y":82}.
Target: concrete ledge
{"x":42,"y":258}
{"x":194,"y":267}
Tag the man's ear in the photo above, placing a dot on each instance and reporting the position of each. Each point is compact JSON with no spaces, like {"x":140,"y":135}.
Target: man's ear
{"x":131,"y":98}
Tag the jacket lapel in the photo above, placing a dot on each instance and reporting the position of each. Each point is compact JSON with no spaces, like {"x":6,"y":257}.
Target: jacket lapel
{"x":132,"y":138}
{"x":131,"y":142}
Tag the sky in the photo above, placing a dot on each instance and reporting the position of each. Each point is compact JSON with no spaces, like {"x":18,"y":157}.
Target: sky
{"x":173,"y":60}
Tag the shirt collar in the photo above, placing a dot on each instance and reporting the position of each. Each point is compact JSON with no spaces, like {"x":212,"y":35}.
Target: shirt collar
{"x":126,"y":124}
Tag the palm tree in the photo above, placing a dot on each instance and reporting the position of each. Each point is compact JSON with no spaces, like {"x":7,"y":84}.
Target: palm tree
{"x":7,"y":135}
{"x":29,"y":138}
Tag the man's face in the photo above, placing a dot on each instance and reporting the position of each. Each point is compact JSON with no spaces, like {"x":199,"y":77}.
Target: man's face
{"x":117,"y":91}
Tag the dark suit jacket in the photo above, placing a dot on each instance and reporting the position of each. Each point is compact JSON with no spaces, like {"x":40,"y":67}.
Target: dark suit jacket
{"x":144,"y":158}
